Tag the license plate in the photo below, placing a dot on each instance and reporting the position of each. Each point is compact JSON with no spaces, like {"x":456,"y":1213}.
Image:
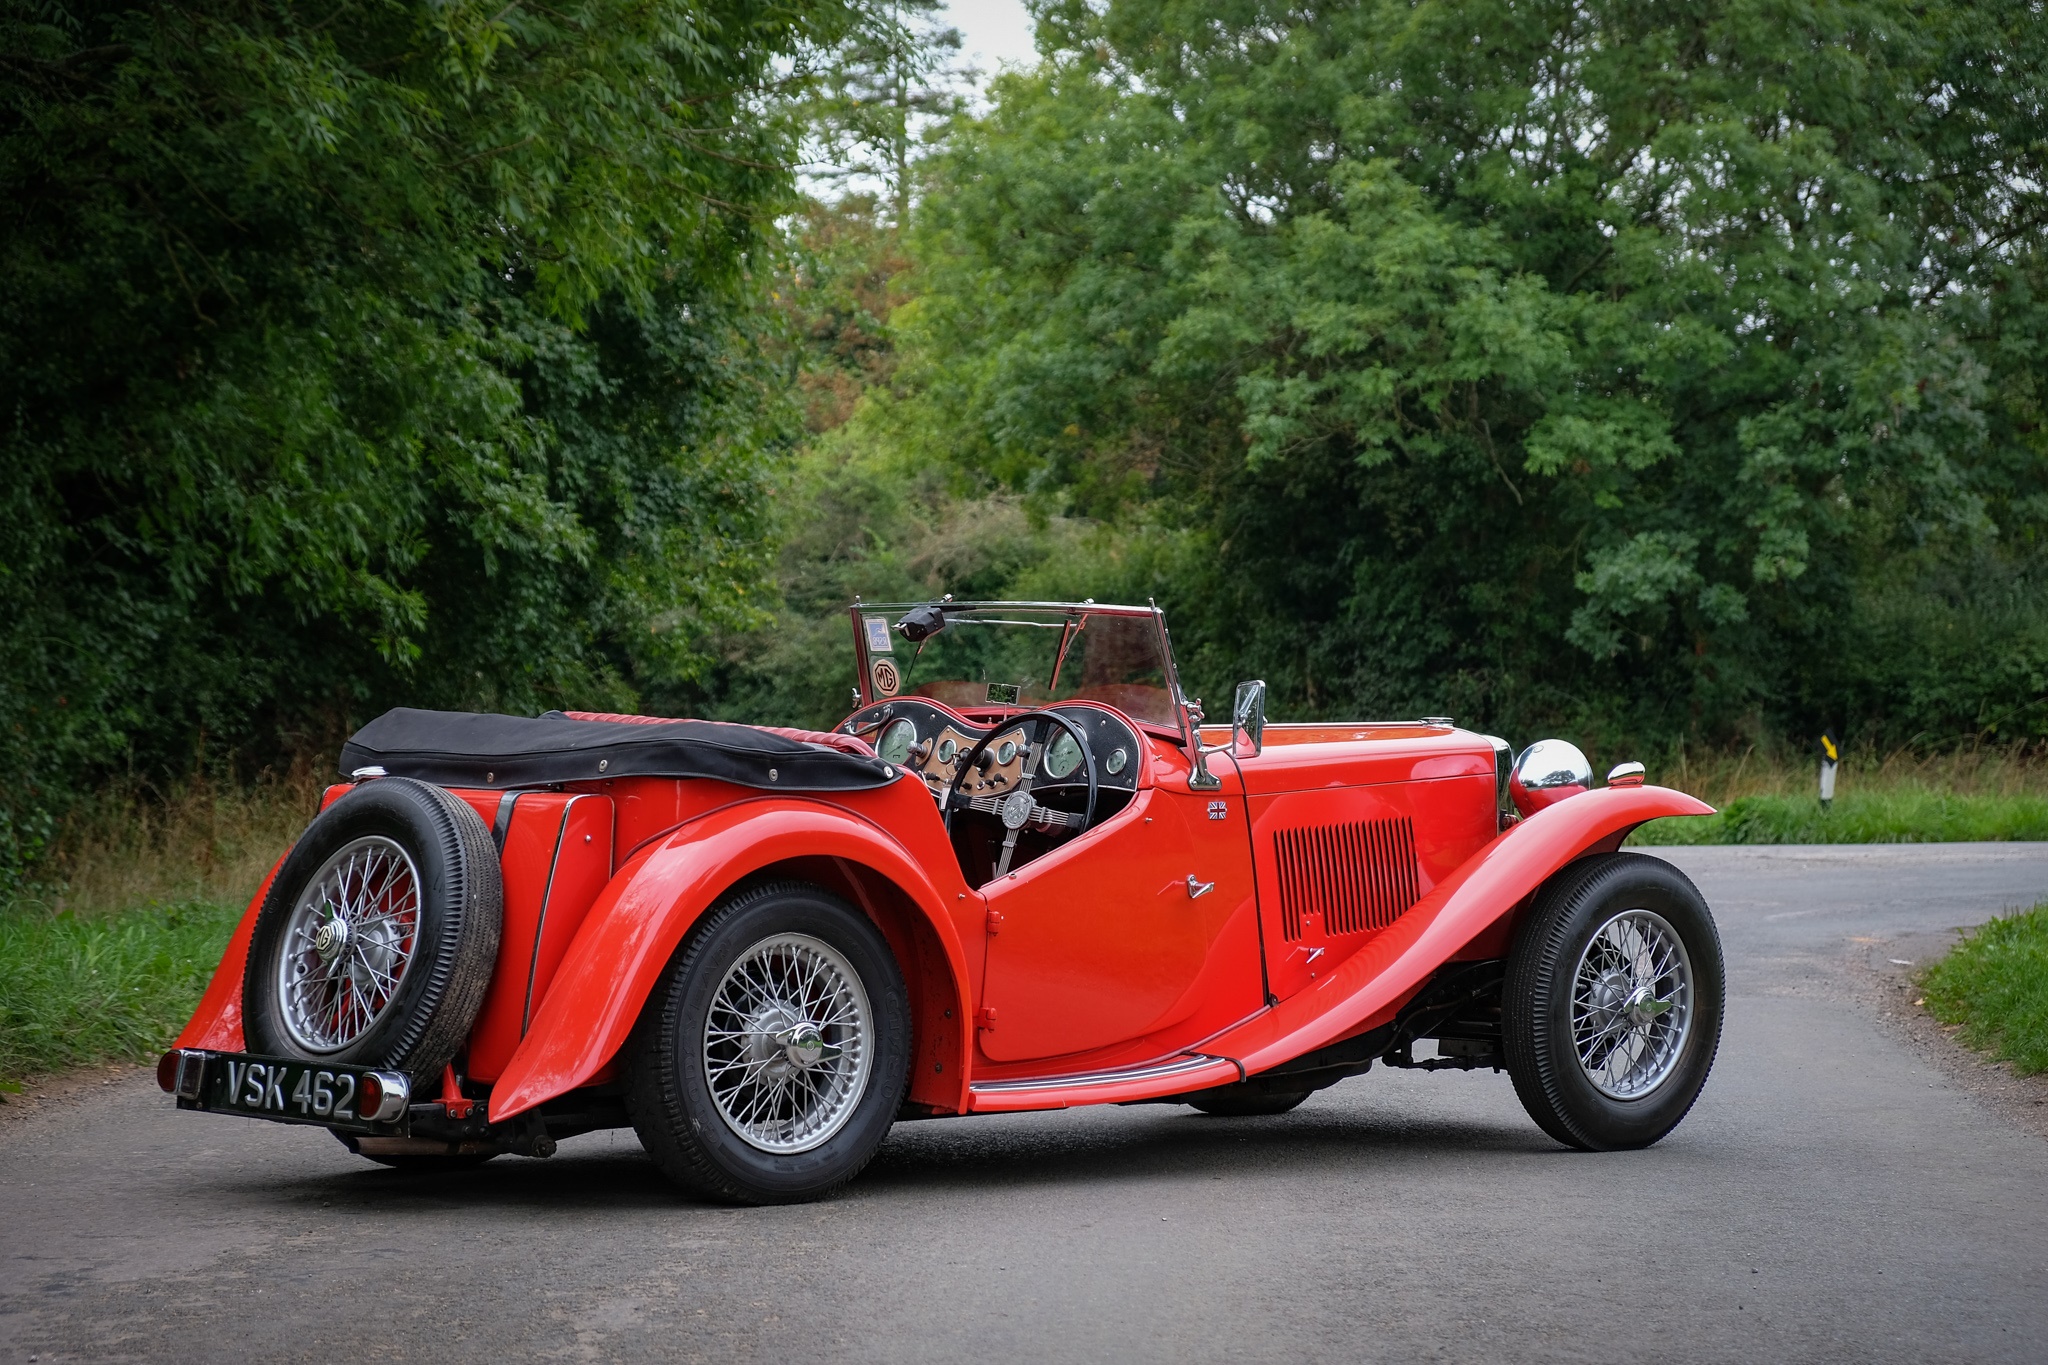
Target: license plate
{"x":275,"y":1088}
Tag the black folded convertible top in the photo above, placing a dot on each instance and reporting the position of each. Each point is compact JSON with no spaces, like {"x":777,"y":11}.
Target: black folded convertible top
{"x":465,"y":749}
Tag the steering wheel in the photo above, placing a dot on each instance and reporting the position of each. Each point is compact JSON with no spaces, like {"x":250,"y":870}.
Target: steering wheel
{"x":1016,"y":808}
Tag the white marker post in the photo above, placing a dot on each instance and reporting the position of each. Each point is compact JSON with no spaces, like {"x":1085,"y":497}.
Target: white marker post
{"x":1828,"y":758}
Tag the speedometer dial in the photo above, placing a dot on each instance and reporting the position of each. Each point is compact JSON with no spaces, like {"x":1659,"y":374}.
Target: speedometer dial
{"x":1063,"y":757}
{"x":896,"y":742}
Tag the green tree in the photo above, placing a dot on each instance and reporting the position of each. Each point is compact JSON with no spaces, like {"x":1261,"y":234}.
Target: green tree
{"x":364,"y":351}
{"x":1537,"y":362}
{"x":891,"y":82}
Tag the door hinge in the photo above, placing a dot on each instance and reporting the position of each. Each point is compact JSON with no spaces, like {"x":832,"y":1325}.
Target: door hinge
{"x":995,"y":921}
{"x":985,"y":1017}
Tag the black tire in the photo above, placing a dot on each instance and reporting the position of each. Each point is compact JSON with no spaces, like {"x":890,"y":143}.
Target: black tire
{"x":461,"y":910}
{"x":1537,"y":1004}
{"x":668,"y":1091}
{"x":1247,"y":1100}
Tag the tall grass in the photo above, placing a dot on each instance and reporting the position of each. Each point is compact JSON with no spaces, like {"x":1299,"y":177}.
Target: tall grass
{"x":75,"y":990}
{"x":1980,"y":794}
{"x":108,"y":954}
{"x":206,"y":841}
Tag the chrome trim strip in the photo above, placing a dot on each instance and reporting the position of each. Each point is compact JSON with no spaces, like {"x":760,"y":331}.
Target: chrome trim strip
{"x":1193,"y":1061}
{"x":540,"y":923}
{"x":191,"y":1078}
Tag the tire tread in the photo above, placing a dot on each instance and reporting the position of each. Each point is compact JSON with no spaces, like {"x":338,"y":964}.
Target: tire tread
{"x":1537,"y":967}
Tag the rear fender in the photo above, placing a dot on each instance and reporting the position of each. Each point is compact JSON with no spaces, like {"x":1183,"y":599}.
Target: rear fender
{"x":633,"y":930}
{"x":1367,"y":988}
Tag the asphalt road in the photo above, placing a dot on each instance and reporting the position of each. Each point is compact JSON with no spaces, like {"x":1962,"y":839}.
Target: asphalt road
{"x":1833,"y":1196}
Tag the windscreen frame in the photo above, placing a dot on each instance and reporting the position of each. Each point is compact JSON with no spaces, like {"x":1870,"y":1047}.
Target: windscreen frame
{"x":865,"y":693}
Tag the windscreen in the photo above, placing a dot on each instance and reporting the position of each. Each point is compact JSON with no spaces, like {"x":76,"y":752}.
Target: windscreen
{"x":1014,"y":656}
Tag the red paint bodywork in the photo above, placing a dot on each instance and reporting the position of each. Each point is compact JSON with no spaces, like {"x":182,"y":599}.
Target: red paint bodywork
{"x":557,"y":860}
{"x":1090,"y":975}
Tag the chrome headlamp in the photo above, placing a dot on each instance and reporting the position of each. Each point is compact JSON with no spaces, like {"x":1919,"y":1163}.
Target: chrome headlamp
{"x":1547,"y":772}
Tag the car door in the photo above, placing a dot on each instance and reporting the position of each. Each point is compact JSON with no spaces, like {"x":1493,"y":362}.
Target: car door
{"x":1148,"y":925}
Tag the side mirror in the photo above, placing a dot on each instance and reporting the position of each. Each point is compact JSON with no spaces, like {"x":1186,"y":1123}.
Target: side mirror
{"x":1247,"y":722}
{"x":1248,"y":716}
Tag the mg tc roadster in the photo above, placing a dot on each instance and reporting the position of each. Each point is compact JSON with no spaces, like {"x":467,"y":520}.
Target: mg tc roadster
{"x":1024,"y":873}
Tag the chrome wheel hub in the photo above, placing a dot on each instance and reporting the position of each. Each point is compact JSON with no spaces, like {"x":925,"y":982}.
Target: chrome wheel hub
{"x":778,"y":1042}
{"x":348,"y":943}
{"x":788,"y":1044}
{"x":331,"y":939}
{"x":1631,"y":1008}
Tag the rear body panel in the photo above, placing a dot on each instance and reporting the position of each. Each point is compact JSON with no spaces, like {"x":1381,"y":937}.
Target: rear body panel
{"x":642,"y":915}
{"x":556,"y":859}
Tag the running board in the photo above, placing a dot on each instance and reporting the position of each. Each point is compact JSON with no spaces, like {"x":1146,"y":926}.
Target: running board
{"x":1175,"y":1076}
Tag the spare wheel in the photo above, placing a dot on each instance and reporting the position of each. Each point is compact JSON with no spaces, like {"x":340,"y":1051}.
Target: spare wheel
{"x":378,"y":936}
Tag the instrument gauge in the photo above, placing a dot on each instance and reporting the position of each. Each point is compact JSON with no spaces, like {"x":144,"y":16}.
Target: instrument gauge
{"x":896,"y":742}
{"x":1063,"y":757}
{"x":1006,"y":751}
{"x":1115,"y":762}
{"x":947,"y":748}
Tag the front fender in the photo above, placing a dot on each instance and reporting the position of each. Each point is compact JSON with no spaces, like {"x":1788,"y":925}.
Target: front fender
{"x":1370,"y":985}
{"x":633,"y":929}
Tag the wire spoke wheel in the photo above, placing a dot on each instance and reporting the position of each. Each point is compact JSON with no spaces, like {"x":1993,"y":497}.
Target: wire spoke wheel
{"x":788,"y":1044}
{"x":769,"y":1064}
{"x":1631,"y":1004}
{"x":347,"y":944}
{"x":1612,"y":1002}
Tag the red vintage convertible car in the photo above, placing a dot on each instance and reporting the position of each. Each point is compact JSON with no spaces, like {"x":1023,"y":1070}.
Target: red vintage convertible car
{"x":1022,"y":874}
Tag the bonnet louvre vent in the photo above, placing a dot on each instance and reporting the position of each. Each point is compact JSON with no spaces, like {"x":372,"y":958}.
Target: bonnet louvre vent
{"x":1357,"y":876}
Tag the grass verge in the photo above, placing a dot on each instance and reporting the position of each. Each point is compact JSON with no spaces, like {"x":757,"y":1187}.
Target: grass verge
{"x":109,"y":959}
{"x":1881,"y":817}
{"x":1995,"y":985}
{"x":1900,"y":798}
{"x":78,"y":990}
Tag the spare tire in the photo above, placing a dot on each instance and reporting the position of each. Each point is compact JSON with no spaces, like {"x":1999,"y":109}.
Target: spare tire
{"x":379,"y":934}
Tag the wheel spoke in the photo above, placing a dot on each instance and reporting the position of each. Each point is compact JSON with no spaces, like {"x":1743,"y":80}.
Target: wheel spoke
{"x":782,"y":998}
{"x":366,"y":900}
{"x":1634,"y":960}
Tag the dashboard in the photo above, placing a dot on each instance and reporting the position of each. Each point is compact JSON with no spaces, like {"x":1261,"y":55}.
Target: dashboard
{"x":932,"y":741}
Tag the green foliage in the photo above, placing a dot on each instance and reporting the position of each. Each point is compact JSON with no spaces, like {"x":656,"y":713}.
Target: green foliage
{"x":1652,"y":372}
{"x":863,"y":523}
{"x":890,"y":82}
{"x":366,"y":351}
{"x":844,"y":269}
{"x":1880,"y":817}
{"x":1654,"y":369}
{"x":79,"y":990}
{"x":1995,"y":984}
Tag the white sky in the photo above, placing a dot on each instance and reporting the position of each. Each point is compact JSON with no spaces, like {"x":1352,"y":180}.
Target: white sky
{"x":994,"y":32}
